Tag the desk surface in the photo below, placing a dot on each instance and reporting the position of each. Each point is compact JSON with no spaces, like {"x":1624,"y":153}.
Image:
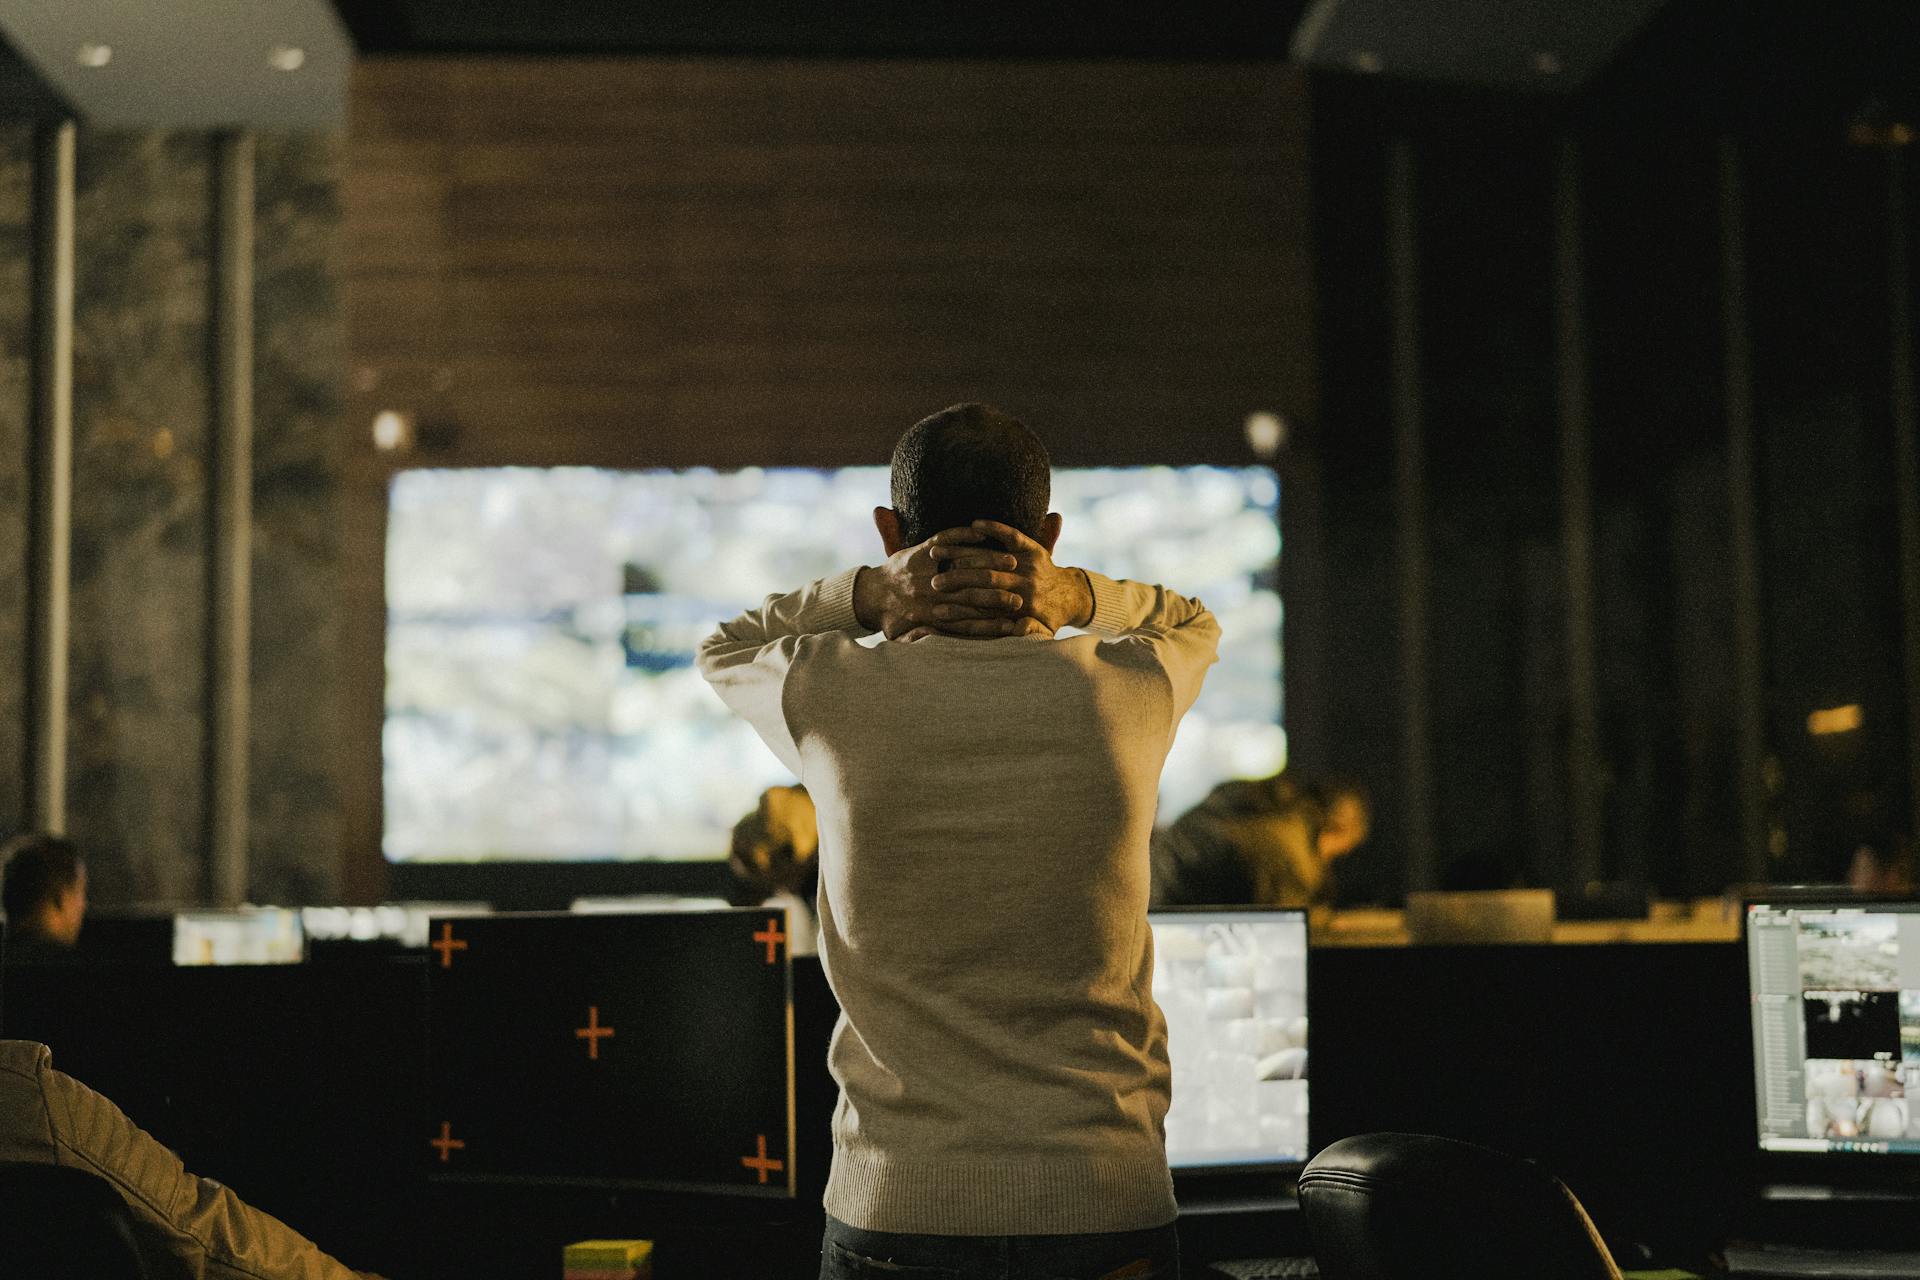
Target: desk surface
{"x":1705,"y":920}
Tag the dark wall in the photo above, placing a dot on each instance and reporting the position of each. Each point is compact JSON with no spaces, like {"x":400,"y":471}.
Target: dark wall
{"x":1818,"y":303}
{"x":141,"y":524}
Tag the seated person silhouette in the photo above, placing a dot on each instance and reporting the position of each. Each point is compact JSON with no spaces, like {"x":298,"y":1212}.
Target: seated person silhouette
{"x":45,"y":896}
{"x":1268,"y":842}
{"x":775,"y":861}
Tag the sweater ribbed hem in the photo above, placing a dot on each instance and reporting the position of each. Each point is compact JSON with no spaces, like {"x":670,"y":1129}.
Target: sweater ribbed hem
{"x":1058,"y":1196}
{"x":1110,"y":616}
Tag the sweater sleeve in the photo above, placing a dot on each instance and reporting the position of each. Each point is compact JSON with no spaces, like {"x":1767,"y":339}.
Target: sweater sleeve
{"x":746,"y":659}
{"x":1180,"y":633}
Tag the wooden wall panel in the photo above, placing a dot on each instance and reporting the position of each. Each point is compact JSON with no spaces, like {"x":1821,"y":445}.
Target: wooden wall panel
{"x":683,"y":257}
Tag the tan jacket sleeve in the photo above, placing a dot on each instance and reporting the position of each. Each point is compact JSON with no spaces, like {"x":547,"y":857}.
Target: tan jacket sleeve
{"x":185,"y":1226}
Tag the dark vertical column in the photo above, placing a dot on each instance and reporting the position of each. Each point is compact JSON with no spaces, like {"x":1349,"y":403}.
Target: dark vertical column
{"x":1410,"y":506}
{"x":1749,"y":655}
{"x":1304,"y":635}
{"x":1906,"y":445}
{"x":51,"y":481}
{"x":230,"y":632}
{"x":1585,"y":822}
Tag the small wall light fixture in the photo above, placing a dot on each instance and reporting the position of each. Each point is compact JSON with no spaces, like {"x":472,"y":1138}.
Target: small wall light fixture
{"x":1833,"y":720}
{"x":392,"y":430}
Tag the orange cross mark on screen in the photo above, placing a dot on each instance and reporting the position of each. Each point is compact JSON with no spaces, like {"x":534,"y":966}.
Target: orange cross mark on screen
{"x":447,"y":945}
{"x":592,"y":1032}
{"x":446,"y":1142}
{"x":772,"y":936}
{"x":759,"y":1162}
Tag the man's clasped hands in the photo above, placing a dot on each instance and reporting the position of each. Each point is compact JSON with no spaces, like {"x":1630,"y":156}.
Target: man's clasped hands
{"x":982,"y":580}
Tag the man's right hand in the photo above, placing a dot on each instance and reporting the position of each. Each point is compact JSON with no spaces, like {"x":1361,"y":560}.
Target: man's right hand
{"x":1053,"y":595}
{"x":899,"y":598}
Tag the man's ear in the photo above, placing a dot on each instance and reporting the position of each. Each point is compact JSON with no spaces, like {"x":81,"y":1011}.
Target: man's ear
{"x":1050,"y":531}
{"x":887,"y":521}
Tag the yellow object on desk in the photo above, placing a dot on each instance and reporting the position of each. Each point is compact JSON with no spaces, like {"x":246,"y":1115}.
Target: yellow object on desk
{"x":608,"y":1260}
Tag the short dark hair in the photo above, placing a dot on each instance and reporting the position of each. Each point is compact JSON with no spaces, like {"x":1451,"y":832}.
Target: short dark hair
{"x":965,"y":463}
{"x":40,"y":868}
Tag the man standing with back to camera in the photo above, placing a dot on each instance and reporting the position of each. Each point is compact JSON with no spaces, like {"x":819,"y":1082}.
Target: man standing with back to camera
{"x":985,"y":793}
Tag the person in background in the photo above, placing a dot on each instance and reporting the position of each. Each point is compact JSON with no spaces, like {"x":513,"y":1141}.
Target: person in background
{"x":1268,"y":842}
{"x":985,"y":793}
{"x":1882,"y":866}
{"x":44,"y":893}
{"x":774,"y":861}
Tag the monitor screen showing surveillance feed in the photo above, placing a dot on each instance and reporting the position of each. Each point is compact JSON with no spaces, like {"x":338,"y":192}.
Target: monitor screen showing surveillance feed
{"x":541,"y":698}
{"x":1836,"y":1026}
{"x":1233,"y":988}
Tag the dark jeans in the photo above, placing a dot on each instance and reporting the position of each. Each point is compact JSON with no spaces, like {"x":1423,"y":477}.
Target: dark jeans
{"x":849,"y":1253}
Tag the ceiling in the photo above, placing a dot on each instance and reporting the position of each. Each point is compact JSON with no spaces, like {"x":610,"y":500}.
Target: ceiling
{"x":208,"y":63}
{"x":24,"y":93}
{"x":1192,"y":29}
{"x":187,"y":63}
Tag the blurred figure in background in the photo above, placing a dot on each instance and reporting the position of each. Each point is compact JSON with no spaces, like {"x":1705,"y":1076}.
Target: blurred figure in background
{"x":1268,"y":842}
{"x":1882,"y":866}
{"x":45,"y":896}
{"x":775,"y":861}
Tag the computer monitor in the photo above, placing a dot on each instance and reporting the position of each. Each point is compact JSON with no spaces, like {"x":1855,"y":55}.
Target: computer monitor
{"x":252,"y":935}
{"x":1233,"y":987}
{"x":1835,"y":988}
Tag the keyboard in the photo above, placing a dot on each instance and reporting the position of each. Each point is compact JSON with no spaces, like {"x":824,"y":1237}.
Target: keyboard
{"x":1267,"y":1268}
{"x":1819,"y":1264}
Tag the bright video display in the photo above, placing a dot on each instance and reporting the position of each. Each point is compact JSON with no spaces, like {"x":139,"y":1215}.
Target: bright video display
{"x":1233,"y":988}
{"x":1836,"y":1027}
{"x":542,"y":701}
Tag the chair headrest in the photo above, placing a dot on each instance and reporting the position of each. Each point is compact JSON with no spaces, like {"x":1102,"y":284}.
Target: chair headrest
{"x":1383,"y":1206}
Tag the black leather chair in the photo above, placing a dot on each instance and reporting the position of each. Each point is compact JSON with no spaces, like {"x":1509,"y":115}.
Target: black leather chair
{"x":1403,"y":1206}
{"x":59,"y":1223}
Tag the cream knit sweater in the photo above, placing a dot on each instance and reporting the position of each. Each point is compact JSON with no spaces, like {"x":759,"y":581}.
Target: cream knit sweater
{"x":984,"y":810}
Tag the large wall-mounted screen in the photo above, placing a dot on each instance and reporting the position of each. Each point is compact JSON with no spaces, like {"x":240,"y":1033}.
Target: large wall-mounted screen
{"x":542,"y":702}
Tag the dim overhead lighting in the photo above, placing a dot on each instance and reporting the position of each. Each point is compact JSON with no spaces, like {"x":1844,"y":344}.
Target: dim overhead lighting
{"x":93,"y":55}
{"x":1835,"y":720}
{"x":1367,"y":61}
{"x":286,"y":57}
{"x":1547,"y":63}
{"x":392,"y":430}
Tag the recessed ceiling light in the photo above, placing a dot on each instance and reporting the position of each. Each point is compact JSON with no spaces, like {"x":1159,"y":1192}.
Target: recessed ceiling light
{"x":286,"y":57}
{"x":1547,"y":62}
{"x":93,"y":55}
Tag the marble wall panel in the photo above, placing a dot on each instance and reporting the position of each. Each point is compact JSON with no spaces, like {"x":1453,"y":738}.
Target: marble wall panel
{"x":141,"y":531}
{"x":140,"y":534}
{"x":298,"y":365}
